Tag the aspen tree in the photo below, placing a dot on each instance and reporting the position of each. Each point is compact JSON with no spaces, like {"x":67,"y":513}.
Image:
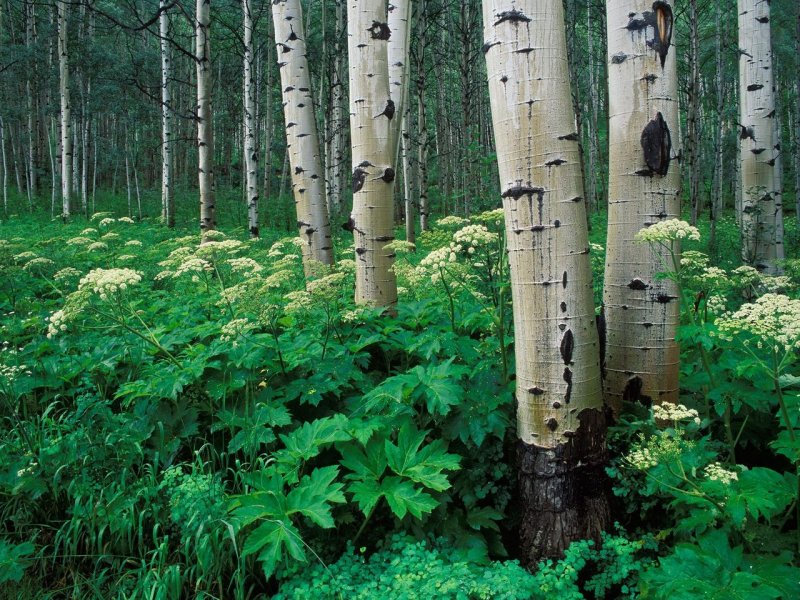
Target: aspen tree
{"x":250,"y":134}
{"x":374,"y":150}
{"x":205,"y":129}
{"x":308,"y":177}
{"x":641,"y":311}
{"x":66,"y":110}
{"x":30,"y":39}
{"x":560,"y":415}
{"x":762,"y":209}
{"x":167,"y":142}
{"x":422,"y":120}
{"x":337,"y":154}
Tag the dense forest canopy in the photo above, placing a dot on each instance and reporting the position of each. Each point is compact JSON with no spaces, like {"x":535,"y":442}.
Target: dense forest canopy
{"x":399,"y":299}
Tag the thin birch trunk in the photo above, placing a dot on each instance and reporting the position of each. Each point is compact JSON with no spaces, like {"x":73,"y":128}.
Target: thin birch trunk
{"x":5,"y":165}
{"x":308,"y":176}
{"x":128,"y":175}
{"x":692,"y":119}
{"x":205,"y":125}
{"x":560,"y":416}
{"x":66,"y":110}
{"x":52,"y":147}
{"x":30,"y":35}
{"x":250,"y":134}
{"x":422,"y":121}
{"x":372,"y":111}
{"x":408,"y":178}
{"x":717,"y":203}
{"x":762,"y":210}
{"x":167,"y":142}
{"x":642,"y":311}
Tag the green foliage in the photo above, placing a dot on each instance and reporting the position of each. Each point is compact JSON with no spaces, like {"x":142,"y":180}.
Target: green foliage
{"x":14,"y":559}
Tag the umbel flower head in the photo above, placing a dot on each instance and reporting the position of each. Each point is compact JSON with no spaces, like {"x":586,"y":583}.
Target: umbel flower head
{"x":106,"y":282}
{"x":774,"y":319}
{"x":668,"y":231}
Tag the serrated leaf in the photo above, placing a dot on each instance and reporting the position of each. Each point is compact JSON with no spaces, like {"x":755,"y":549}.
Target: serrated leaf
{"x":270,"y":539}
{"x":369,"y":463}
{"x":403,"y":498}
{"x":314,"y":495}
{"x":366,"y":493}
{"x":423,"y":465}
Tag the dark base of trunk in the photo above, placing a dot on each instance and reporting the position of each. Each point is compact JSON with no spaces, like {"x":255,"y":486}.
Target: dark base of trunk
{"x":563,"y":491}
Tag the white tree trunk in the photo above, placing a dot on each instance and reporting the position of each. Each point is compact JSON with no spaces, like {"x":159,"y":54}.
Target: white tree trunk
{"x":762,"y":209}
{"x":372,"y":112}
{"x":30,"y":35}
{"x":167,"y":143}
{"x":66,"y":116}
{"x":308,"y":176}
{"x":641,"y":311}
{"x":5,"y":166}
{"x":560,"y":417}
{"x":250,"y":133}
{"x":205,"y":126}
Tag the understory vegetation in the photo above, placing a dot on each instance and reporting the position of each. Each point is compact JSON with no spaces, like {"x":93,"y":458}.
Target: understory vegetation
{"x":185,"y":420}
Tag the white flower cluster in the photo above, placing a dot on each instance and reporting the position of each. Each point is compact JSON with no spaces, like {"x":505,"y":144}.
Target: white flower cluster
{"x":400,"y":247}
{"x":245,"y":265}
{"x":24,"y":257}
{"x":439,"y":258}
{"x":716,"y":304}
{"x":326,"y":288}
{"x":66,"y":273}
{"x":297,"y":301}
{"x":193,"y":265}
{"x":89,"y":231}
{"x":213,"y":234}
{"x":125,"y":220}
{"x":233,"y":329}
{"x":474,"y":236}
{"x":596,"y":248}
{"x":279,"y":279}
{"x":774,"y":318}
{"x":211,"y":249}
{"x":38,"y":263}
{"x":451,"y":221}
{"x":495,"y":216}
{"x":100,"y":215}
{"x":12,"y":372}
{"x":56,"y":323}
{"x":97,"y":246}
{"x":716,"y":472}
{"x":657,"y":449}
{"x":177,"y":256}
{"x":668,"y":231}
{"x":675,"y":412}
{"x":126,"y":257}
{"x":747,"y":275}
{"x":110,"y":236}
{"x":346,"y":265}
{"x":131,"y":243}
{"x":105,"y":282}
{"x":78,"y":241}
{"x":106,"y":222}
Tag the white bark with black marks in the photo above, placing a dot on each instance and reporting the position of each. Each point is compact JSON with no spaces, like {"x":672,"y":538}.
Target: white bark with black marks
{"x":560,"y":417}
{"x":641,"y":310}
{"x":66,"y":109}
{"x":302,"y":139}
{"x":761,"y":206}
{"x":205,"y":128}
{"x":372,"y":115}
{"x":167,"y":142}
{"x":250,"y":134}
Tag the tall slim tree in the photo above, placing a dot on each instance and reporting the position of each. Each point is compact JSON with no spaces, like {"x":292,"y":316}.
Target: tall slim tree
{"x":205,"y":127}
{"x":641,"y":310}
{"x":560,"y":415}
{"x":762,"y":207}
{"x":372,"y":114}
{"x":66,"y":109}
{"x":167,"y":141}
{"x":250,"y":130}
{"x":308,"y":177}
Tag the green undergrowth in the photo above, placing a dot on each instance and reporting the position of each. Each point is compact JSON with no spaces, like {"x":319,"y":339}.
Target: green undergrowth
{"x":181,"y":420}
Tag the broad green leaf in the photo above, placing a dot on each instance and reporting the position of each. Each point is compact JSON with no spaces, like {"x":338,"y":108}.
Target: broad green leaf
{"x":423,"y":465}
{"x":404,"y":498}
{"x":315,"y":494}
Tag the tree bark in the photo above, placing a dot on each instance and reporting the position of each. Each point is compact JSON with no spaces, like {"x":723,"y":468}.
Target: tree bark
{"x":560,"y":415}
{"x":692,"y":118}
{"x":66,"y":117}
{"x":762,"y":209}
{"x":642,"y":312}
{"x":422,"y":124}
{"x":372,"y":111}
{"x":205,"y":126}
{"x":250,"y":134}
{"x":302,"y":139}
{"x":30,"y":35}
{"x":167,"y":142}
{"x":5,"y":165}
